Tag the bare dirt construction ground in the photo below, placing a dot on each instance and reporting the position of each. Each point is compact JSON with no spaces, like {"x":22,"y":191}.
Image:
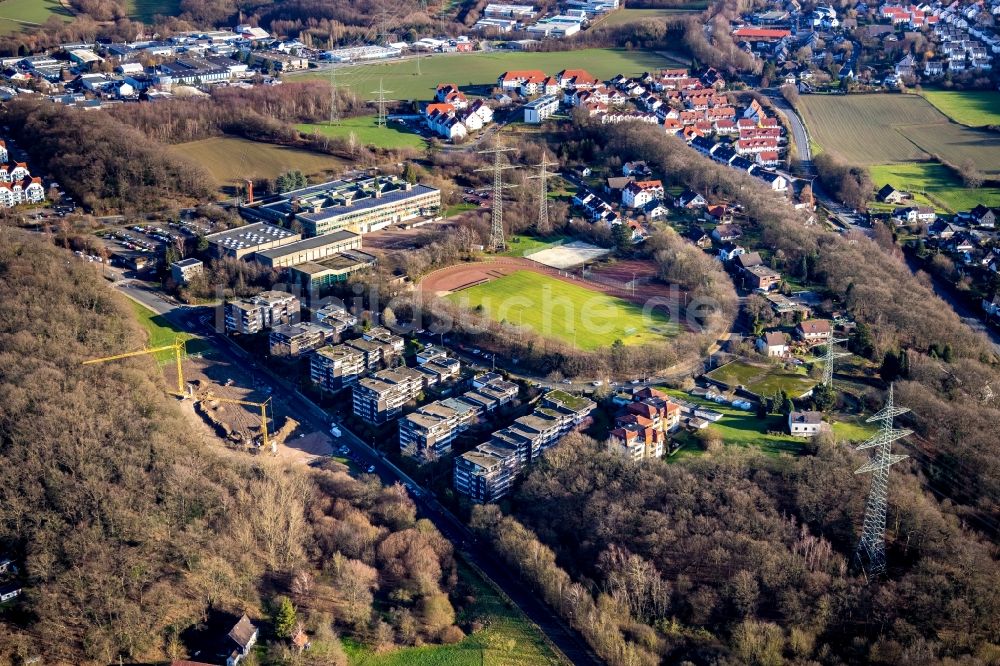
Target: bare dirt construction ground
{"x":303,"y":444}
{"x":608,"y":279}
{"x":394,"y":238}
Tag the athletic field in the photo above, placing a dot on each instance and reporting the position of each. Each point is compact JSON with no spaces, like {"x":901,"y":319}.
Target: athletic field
{"x":568,"y":312}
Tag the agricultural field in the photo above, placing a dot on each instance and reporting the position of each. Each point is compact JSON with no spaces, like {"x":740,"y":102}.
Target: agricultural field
{"x":625,"y":16}
{"x":764,"y":380}
{"x":888,"y":129}
{"x":933,"y":184}
{"x":975,"y":108}
{"x":482,"y":69}
{"x":16,"y":15}
{"x":507,"y":638}
{"x":556,"y":308}
{"x":229,"y":159}
{"x":146,"y":10}
{"x":364,"y":129}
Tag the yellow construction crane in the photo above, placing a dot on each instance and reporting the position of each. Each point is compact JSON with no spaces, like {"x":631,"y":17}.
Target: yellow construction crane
{"x":263,"y":413}
{"x":178,"y":348}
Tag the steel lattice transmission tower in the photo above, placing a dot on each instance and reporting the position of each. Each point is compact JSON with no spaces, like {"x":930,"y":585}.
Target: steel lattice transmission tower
{"x":543,"y":190}
{"x":830,"y":357}
{"x":497,"y":241}
{"x":381,"y":101}
{"x":871,"y":548}
{"x":334,"y":113}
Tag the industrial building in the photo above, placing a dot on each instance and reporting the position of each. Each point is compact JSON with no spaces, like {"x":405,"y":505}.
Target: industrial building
{"x":316,"y":277}
{"x":244,"y":241}
{"x":309,"y":249}
{"x":263,"y":311}
{"x":360,"y":206}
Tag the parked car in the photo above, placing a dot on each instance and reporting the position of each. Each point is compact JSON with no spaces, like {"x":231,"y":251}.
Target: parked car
{"x":334,"y":430}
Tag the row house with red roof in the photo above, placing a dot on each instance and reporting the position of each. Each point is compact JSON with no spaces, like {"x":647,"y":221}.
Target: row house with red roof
{"x":642,"y":427}
{"x":455,"y":124}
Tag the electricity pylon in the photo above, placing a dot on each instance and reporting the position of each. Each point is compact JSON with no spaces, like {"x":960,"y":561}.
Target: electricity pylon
{"x":830,"y":357}
{"x":381,"y":101}
{"x":497,"y":241}
{"x":543,"y":190}
{"x":871,"y":548}
{"x":334,"y":113}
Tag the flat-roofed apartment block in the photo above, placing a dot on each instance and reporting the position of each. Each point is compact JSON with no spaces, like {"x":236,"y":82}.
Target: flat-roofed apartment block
{"x":427,"y":433}
{"x":489,"y":397}
{"x":381,"y":397}
{"x":241,"y":242}
{"x":184,"y":270}
{"x":480,"y":476}
{"x":335,"y":316}
{"x":440,"y":370}
{"x":316,"y":248}
{"x":361,"y":206}
{"x":335,"y":367}
{"x":486,"y":473}
{"x":263,"y":311}
{"x":385,"y":336}
{"x":293,"y":340}
{"x":375,"y":353}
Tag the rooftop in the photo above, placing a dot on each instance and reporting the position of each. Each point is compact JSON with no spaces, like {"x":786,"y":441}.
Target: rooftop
{"x":251,"y":235}
{"x":309,"y":244}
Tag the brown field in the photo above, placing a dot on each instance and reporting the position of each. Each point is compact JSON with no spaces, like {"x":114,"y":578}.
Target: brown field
{"x":885,"y":129}
{"x":229,"y":159}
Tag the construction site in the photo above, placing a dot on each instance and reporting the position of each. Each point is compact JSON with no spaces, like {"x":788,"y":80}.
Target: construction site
{"x":231,"y":405}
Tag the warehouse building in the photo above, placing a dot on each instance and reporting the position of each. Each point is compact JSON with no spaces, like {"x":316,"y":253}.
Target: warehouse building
{"x":360,"y":206}
{"x":242,"y":242}
{"x":309,"y":249}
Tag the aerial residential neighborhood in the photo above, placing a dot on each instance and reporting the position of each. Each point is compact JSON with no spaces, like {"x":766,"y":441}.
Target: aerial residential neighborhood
{"x":578,"y":332}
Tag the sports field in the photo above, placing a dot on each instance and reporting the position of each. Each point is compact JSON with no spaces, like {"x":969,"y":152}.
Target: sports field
{"x":764,"y":380}
{"x":232,"y":158}
{"x":366,"y":132}
{"x":975,"y":108}
{"x":16,"y":15}
{"x":883,"y":129}
{"x":933,"y":184}
{"x":482,"y":69}
{"x":555,"y":308}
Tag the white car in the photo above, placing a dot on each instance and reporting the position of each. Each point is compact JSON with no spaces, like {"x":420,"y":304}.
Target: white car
{"x":334,"y":430}
{"x":598,"y":383}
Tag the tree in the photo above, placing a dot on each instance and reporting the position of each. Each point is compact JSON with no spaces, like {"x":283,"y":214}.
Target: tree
{"x":824,"y":397}
{"x":622,"y":234}
{"x":285,"y":619}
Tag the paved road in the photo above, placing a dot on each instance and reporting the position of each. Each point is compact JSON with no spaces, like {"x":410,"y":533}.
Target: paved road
{"x":566,"y":639}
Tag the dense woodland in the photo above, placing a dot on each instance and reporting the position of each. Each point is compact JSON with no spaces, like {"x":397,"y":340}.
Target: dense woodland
{"x":132,"y":531}
{"x":103,"y":163}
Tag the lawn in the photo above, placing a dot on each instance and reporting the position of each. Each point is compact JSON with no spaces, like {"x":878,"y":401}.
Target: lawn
{"x":146,"y":10}
{"x":624,"y":16}
{"x":974,"y":108}
{"x":764,"y":380}
{"x":364,"y":129}
{"x":853,"y":431}
{"x":741,"y":428}
{"x":518,"y":246}
{"x":507,"y":638}
{"x":229,"y":159}
{"x":18,"y":14}
{"x":885,"y":129}
{"x":933,"y":184}
{"x":160,"y":333}
{"x":481,"y":69}
{"x":555,"y":308}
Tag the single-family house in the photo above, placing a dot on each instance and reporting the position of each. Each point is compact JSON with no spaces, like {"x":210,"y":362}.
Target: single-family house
{"x":889,"y":194}
{"x":691,"y":199}
{"x":814,"y":330}
{"x":725,"y":233}
{"x":773,"y":344}
{"x":805,"y":424}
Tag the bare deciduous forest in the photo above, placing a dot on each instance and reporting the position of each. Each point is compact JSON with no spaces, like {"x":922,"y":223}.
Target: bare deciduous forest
{"x":132,"y":530}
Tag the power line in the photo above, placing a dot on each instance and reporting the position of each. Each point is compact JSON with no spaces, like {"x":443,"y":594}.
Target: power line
{"x":829,"y":358}
{"x":543,"y":191}
{"x":871,"y":547}
{"x":381,"y":101}
{"x":497,"y":242}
